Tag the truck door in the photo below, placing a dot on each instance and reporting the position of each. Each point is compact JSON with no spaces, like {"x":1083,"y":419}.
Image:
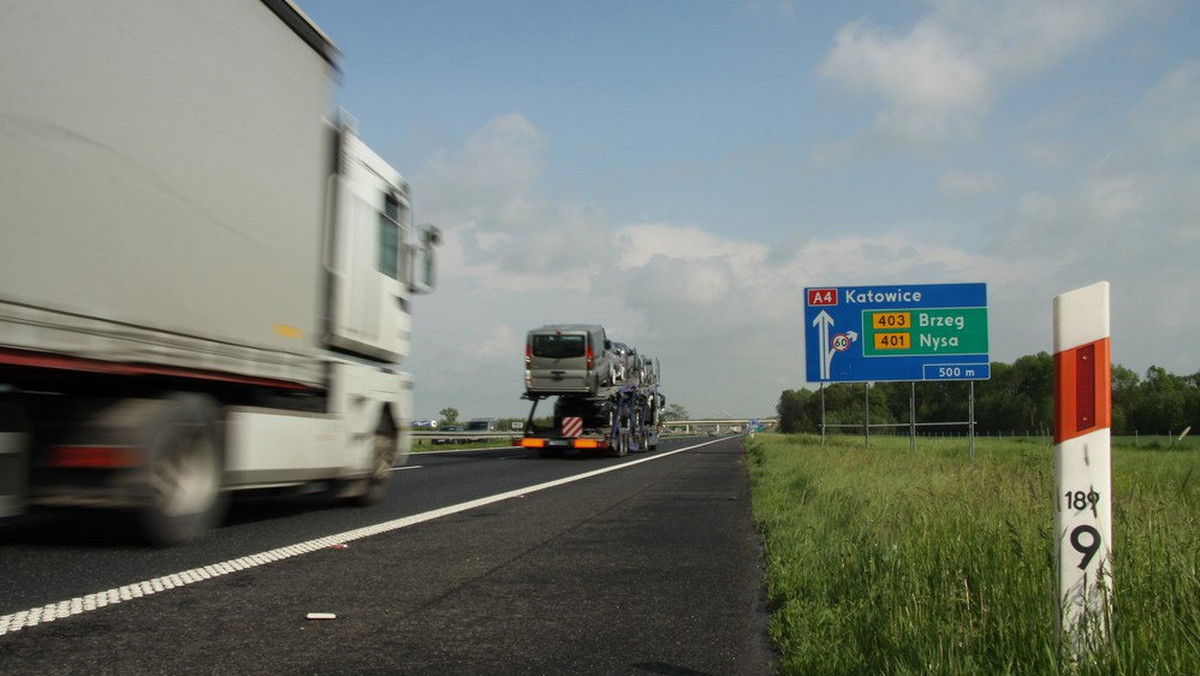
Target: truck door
{"x":369,"y":255}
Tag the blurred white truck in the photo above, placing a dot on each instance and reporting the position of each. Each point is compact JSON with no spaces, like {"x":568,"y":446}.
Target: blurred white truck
{"x":205,"y":275}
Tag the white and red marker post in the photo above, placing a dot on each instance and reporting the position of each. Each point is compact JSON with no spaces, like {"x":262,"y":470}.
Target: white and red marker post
{"x":1083,"y":466}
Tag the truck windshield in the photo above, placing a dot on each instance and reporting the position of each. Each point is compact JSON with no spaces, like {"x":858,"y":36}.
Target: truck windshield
{"x":559,"y":347}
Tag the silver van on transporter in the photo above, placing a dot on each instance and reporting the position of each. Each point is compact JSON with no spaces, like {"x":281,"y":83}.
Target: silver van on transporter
{"x":568,"y":358}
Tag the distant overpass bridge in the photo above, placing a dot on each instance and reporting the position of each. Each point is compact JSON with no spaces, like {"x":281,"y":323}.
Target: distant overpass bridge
{"x":717,"y":425}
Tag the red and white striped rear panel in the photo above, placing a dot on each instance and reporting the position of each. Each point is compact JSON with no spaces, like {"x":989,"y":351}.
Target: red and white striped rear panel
{"x":572,"y":427}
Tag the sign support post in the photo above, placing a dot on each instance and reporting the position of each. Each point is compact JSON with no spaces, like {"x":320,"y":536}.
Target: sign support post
{"x":822,"y":415}
{"x":1083,"y":467}
{"x":867,"y":414}
{"x":912,"y":417}
{"x":971,"y":418}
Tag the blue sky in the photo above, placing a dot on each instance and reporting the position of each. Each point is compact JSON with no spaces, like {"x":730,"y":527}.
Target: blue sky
{"x":679,"y":171}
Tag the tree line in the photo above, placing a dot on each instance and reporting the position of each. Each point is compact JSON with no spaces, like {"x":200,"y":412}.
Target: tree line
{"x":1017,"y":399}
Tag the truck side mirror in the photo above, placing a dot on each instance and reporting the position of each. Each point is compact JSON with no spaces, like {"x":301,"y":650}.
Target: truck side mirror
{"x":423,"y":277}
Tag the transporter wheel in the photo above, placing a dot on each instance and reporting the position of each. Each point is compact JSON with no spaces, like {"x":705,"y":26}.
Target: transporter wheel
{"x":183,"y":469}
{"x":622,"y":444}
{"x":372,"y":489}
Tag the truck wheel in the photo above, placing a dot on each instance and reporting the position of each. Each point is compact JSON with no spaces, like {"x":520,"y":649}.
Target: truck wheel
{"x":622,"y":448}
{"x":183,"y":470}
{"x":372,"y":489}
{"x":15,"y":432}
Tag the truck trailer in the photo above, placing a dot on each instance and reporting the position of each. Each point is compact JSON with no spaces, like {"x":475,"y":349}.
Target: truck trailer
{"x":606,"y":394}
{"x":205,"y":274}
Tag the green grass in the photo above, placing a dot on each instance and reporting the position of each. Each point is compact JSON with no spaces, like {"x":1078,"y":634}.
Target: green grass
{"x":885,"y":561}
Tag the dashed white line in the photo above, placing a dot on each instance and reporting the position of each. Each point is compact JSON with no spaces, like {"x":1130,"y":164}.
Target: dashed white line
{"x":56,"y":611}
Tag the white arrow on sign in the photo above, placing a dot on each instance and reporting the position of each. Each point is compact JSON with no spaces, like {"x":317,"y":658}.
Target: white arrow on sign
{"x":851,"y":336}
{"x":823,"y":321}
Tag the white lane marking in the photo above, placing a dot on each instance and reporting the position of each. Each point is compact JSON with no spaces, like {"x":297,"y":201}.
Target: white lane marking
{"x":56,"y":611}
{"x":462,"y":450}
{"x":404,"y":467}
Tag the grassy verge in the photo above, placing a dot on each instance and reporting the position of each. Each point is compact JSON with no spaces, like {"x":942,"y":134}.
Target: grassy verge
{"x":886,"y":561}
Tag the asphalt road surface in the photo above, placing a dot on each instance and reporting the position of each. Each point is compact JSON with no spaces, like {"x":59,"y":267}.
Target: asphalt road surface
{"x":489,"y":562}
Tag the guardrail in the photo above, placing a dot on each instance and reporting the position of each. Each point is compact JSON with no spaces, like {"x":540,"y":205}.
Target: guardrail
{"x":436,"y":438}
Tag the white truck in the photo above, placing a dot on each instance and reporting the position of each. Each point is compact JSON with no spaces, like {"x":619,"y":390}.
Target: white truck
{"x":606,"y":395}
{"x":205,"y":275}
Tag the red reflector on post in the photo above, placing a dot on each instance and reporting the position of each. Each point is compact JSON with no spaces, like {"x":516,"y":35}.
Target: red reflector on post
{"x":1085,"y":387}
{"x":94,"y":457}
{"x":1083,"y":390}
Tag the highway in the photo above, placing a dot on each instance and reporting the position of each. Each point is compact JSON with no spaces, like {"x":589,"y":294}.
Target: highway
{"x":479,"y":562}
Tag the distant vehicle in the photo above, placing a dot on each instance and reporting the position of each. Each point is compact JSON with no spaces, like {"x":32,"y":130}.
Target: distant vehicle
{"x":610,"y":405}
{"x":483,"y":425}
{"x":451,"y":429}
{"x":424,"y":424}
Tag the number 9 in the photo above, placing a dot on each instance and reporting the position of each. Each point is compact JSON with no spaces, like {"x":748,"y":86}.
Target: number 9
{"x":1088,"y":550}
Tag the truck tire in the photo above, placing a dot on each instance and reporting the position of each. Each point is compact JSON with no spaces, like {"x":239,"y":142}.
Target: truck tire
{"x":372,"y":489}
{"x":622,"y":444}
{"x":15,"y":433}
{"x":184,"y":469}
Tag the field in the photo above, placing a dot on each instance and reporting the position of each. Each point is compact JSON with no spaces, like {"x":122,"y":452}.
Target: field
{"x":883,"y":560}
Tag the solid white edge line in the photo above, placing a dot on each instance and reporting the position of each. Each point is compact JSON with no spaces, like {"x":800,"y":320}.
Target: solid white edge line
{"x":55,"y":611}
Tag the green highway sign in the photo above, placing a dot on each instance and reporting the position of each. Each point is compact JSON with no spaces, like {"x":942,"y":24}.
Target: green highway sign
{"x":893,"y":333}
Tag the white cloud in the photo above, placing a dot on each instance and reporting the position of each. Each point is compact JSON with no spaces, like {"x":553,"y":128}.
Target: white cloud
{"x":1137,"y":227}
{"x":497,"y":167}
{"x":639,"y":243}
{"x":937,"y":80}
{"x":963,"y":187}
{"x":1046,"y":154}
{"x":929,"y":79}
{"x":501,"y":229}
{"x":1170,"y":113}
